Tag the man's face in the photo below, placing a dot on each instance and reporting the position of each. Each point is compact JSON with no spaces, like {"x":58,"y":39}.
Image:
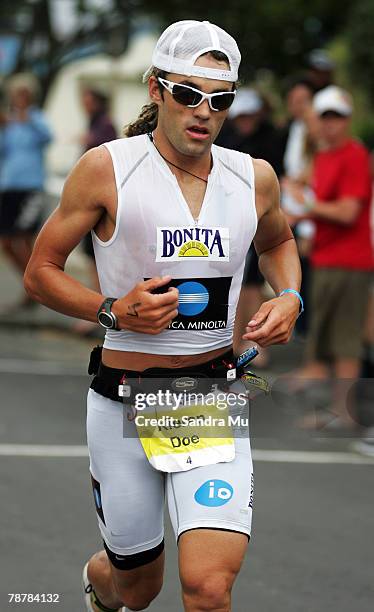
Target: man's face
{"x":298,"y":100}
{"x":191,"y":131}
{"x":21,"y":98}
{"x":334,"y":127}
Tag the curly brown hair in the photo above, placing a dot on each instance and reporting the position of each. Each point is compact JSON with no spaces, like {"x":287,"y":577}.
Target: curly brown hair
{"x":147,"y":120}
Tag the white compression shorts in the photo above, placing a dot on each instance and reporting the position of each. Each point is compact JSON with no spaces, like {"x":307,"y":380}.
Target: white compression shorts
{"x":130,"y":494}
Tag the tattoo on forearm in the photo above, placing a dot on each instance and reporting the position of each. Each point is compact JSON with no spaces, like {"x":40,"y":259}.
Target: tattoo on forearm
{"x":131,"y":310}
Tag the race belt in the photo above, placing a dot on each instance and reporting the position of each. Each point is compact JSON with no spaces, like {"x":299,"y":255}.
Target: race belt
{"x":181,"y":435}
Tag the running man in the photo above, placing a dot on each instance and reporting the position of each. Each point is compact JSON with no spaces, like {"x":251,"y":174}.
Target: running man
{"x":172,"y":217}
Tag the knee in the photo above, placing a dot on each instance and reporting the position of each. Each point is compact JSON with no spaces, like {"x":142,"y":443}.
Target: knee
{"x":208,"y":592}
{"x":98,"y":566}
{"x":139,"y":596}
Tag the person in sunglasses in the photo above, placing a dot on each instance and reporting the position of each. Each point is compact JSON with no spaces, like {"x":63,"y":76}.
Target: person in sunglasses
{"x":172,"y":216}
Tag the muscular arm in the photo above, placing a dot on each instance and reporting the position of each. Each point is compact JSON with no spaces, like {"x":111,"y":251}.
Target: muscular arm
{"x":274,"y":241}
{"x":90,"y":194}
{"x":278,"y":262}
{"x":79,"y":210}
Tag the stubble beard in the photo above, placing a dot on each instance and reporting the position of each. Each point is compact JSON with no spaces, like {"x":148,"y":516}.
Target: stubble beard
{"x":191,"y":149}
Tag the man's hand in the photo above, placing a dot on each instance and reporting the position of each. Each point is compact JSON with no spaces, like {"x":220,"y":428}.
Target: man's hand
{"x":146,"y":312}
{"x":274,"y":321}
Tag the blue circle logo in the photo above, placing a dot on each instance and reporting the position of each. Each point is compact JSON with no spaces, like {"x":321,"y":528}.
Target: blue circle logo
{"x":214,"y":493}
{"x":193,"y":298}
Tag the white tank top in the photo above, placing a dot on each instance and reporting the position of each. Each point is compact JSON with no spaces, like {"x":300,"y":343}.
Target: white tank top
{"x":156,"y":235}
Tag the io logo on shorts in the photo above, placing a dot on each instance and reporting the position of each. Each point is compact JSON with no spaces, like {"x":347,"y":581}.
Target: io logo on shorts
{"x":193,"y":298}
{"x":214,"y":493}
{"x":196,"y":243}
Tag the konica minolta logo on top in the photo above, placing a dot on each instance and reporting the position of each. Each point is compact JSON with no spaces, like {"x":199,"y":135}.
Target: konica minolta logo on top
{"x":196,"y":243}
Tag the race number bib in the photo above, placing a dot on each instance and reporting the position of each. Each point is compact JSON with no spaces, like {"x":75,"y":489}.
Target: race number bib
{"x":186,"y":438}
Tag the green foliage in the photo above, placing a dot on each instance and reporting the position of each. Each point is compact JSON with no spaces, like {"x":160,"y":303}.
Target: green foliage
{"x":364,"y":129}
{"x":360,"y":34}
{"x":270,"y":33}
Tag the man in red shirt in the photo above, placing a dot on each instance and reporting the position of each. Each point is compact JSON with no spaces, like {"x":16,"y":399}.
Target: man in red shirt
{"x":342,"y":253}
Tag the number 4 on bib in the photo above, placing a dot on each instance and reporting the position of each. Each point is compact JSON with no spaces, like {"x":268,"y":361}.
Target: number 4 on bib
{"x":189,"y":460}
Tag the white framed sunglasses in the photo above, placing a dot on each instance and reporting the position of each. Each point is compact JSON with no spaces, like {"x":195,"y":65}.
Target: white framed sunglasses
{"x":191,"y":97}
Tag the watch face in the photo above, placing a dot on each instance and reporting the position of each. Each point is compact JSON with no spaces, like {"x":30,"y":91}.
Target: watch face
{"x":105,"y":320}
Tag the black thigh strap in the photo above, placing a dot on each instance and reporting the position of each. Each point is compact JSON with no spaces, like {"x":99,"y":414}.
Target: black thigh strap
{"x":129,"y":562}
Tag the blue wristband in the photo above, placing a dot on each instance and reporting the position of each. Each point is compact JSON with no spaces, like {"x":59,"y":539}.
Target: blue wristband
{"x":297,"y":295}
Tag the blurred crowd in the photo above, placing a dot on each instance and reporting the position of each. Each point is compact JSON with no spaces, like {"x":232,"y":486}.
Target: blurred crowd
{"x":326,"y":184}
{"x":326,"y":192}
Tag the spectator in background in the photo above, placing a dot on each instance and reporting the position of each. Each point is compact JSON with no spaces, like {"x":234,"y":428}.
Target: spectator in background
{"x":299,"y":137}
{"x":100,"y":129}
{"x":24,"y":135}
{"x":342,"y":255}
{"x":100,"y":126}
{"x":321,"y":69}
{"x":249,"y":130}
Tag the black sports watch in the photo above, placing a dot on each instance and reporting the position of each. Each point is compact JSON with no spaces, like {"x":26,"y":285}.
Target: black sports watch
{"x":105,"y":316}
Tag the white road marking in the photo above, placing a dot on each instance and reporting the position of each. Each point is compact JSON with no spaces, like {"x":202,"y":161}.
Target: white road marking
{"x":44,"y":368}
{"x":42,"y":450}
{"x":275,"y":456}
{"x":290,"y":456}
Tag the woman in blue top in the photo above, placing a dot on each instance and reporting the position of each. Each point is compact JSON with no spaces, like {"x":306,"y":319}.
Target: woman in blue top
{"x":24,"y":135}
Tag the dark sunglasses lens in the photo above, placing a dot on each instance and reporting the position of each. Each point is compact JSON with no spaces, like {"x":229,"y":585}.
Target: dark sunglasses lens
{"x":223,"y":102}
{"x":185,"y":96}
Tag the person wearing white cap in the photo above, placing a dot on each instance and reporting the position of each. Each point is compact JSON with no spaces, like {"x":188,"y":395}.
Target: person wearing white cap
{"x":247,"y":102}
{"x":249,"y":129}
{"x":342,"y":255}
{"x":334,"y":99}
{"x":172,"y":216}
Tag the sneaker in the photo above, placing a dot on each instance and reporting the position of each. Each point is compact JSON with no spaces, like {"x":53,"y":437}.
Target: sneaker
{"x":87,"y":588}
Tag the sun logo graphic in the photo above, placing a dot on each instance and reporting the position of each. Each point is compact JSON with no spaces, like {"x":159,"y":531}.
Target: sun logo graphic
{"x":193,"y":298}
{"x":193,"y":249}
{"x":175,"y":243}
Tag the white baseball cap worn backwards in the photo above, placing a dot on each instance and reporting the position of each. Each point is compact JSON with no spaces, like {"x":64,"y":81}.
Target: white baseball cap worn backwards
{"x":183,"y":42}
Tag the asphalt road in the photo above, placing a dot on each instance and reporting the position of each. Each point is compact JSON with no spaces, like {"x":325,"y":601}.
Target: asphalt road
{"x":312,"y":544}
